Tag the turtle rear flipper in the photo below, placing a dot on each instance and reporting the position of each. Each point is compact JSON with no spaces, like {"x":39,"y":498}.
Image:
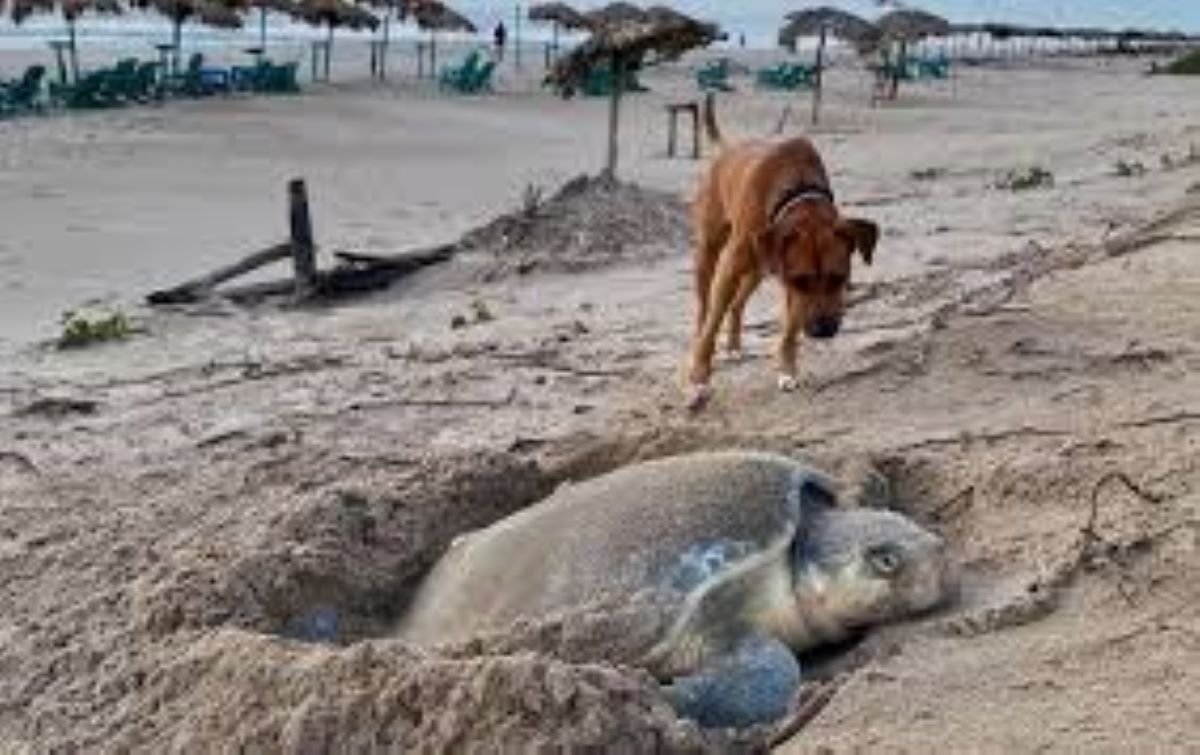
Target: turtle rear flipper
{"x":754,"y":684}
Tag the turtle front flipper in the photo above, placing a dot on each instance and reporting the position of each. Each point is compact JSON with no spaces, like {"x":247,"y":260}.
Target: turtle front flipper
{"x":754,"y":684}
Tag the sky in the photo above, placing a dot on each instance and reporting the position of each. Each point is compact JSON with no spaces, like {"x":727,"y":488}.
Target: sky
{"x":760,"y":20}
{"x":763,"y":17}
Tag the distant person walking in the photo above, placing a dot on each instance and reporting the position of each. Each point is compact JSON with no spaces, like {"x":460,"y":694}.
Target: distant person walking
{"x":500,"y":38}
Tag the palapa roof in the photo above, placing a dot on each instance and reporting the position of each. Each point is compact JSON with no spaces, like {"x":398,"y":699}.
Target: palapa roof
{"x":558,"y":13}
{"x":912,"y":24}
{"x":839,"y":23}
{"x":336,"y":13}
{"x":70,"y":9}
{"x":615,"y":14}
{"x":225,"y":15}
{"x":661,"y":30}
{"x":434,"y":15}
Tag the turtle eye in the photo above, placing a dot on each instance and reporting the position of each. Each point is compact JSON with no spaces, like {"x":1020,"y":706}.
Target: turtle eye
{"x":885,"y":560}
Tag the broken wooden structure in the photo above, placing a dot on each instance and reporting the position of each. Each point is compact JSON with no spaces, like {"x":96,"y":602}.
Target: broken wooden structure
{"x":355,"y":273}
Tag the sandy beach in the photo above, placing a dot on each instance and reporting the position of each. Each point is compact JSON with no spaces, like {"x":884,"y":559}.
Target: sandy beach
{"x":1017,"y":370}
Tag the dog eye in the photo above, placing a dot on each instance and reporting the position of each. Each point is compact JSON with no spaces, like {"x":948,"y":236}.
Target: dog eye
{"x":835,"y":283}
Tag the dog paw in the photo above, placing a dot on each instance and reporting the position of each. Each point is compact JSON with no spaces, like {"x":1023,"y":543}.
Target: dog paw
{"x":698,"y":396}
{"x":788,"y":383}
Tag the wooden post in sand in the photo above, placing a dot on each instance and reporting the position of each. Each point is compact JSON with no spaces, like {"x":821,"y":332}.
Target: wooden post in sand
{"x":820,"y":76}
{"x":614,"y":114}
{"x":304,"y":253}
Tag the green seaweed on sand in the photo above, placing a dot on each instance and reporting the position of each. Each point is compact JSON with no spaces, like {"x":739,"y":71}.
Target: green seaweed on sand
{"x":80,"y":329}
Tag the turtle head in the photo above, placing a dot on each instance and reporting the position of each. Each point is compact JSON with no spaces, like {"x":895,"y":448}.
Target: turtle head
{"x":854,"y":568}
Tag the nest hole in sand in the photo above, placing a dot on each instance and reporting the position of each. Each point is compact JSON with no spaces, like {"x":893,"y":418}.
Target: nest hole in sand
{"x":342,"y":566}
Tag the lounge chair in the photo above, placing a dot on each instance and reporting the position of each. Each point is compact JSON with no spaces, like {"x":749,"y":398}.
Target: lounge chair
{"x":460,"y":77}
{"x":714,"y":77}
{"x":23,"y":95}
{"x":198,"y":81}
{"x":786,"y":76}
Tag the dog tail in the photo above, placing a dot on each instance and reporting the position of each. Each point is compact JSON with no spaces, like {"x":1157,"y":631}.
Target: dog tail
{"x":711,"y":129}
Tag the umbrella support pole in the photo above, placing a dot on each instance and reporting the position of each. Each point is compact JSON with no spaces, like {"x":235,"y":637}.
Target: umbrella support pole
{"x":819,"y":81}
{"x":73,"y":52}
{"x":614,"y":116}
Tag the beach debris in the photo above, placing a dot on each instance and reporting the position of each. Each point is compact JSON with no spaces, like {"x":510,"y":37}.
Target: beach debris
{"x":82,"y":328}
{"x":57,"y":407}
{"x":927,"y":174}
{"x":481,"y":311}
{"x":1170,"y":162}
{"x":590,"y":222}
{"x":1035,"y":177}
{"x":356,"y":273}
{"x":1129,"y":169}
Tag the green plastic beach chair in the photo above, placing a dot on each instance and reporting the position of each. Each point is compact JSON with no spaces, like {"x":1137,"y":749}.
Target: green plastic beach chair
{"x":714,"y":77}
{"x":786,"y":77}
{"x":195,"y":81}
{"x":460,"y":77}
{"x":937,"y":67}
{"x":94,"y":90}
{"x":23,"y":95}
{"x":283,"y":79}
{"x":144,"y":85}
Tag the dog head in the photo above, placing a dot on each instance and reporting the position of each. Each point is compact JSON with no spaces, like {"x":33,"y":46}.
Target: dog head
{"x":810,"y":248}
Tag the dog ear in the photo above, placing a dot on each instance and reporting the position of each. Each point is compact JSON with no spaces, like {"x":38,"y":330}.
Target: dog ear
{"x":862,"y":235}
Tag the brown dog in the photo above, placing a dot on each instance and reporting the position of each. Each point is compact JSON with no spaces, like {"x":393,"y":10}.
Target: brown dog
{"x":766,"y":207}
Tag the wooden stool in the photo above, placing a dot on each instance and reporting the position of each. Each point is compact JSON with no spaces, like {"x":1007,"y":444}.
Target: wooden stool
{"x":674,"y":109}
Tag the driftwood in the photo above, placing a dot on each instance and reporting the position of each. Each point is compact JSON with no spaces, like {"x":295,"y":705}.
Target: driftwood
{"x":202,"y":287}
{"x":355,"y":273}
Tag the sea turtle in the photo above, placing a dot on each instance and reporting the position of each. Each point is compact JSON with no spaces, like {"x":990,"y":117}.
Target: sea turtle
{"x":748,"y":552}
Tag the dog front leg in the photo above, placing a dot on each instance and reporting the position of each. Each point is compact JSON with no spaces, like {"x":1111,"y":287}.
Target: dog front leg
{"x":792,"y":318}
{"x":746,"y":288}
{"x":721,"y":295}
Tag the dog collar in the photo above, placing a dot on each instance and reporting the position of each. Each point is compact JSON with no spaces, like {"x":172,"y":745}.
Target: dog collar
{"x":801,"y":193}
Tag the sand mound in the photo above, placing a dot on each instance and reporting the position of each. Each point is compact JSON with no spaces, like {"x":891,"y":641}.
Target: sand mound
{"x":286,"y":645}
{"x":591,"y":222}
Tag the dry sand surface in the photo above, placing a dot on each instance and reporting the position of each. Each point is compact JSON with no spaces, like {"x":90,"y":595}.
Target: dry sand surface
{"x":207,"y":531}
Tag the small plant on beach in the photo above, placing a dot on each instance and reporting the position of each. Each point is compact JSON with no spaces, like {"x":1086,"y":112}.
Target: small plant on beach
{"x":531,"y":201}
{"x":80,"y":329}
{"x":1036,"y":177}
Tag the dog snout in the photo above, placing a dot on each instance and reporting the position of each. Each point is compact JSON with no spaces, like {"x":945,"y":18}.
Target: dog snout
{"x":824,"y":327}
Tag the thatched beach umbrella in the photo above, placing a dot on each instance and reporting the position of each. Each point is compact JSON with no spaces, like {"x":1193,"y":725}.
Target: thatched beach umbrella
{"x":910,"y":25}
{"x":71,"y":10}
{"x":224,"y":14}
{"x":334,"y":14}
{"x":623,"y":45}
{"x":907,"y":26}
{"x":560,"y":16}
{"x":434,"y":16}
{"x":822,"y":22}
{"x":615,"y":15}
